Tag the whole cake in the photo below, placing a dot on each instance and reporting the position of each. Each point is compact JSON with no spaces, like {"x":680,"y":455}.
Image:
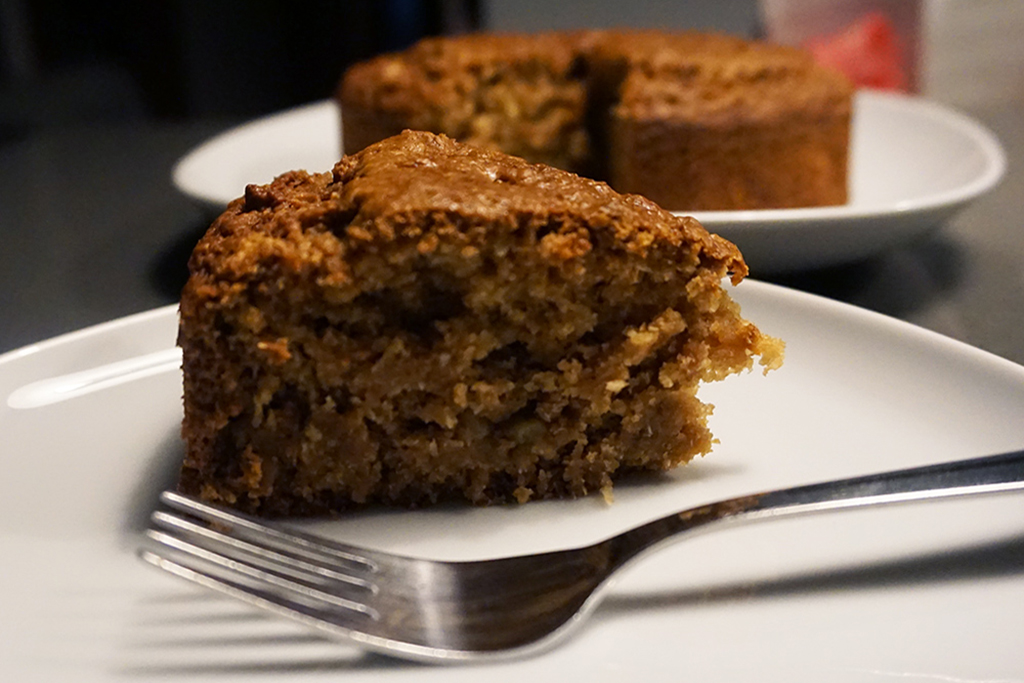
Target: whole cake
{"x":433,"y":320}
{"x":692,"y":121}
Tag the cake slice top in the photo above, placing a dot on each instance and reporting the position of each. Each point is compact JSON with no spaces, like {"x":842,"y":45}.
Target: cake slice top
{"x":716,"y":79}
{"x":373,"y":202}
{"x":455,"y":177}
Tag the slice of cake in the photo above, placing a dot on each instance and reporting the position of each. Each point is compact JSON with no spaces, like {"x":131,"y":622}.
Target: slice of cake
{"x":690,"y":120}
{"x":434,"y":321}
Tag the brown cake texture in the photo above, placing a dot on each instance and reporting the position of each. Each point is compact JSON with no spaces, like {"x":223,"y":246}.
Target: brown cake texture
{"x":435,"y":321}
{"x":693,"y":121}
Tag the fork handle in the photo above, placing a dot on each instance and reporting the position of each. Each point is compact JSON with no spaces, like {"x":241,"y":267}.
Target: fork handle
{"x":990,"y":474}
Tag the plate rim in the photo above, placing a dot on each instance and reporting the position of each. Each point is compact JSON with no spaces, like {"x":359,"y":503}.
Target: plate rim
{"x":185,"y":172}
{"x":83,"y":333}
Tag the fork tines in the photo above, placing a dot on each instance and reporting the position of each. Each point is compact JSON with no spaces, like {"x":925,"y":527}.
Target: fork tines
{"x":274,"y":568}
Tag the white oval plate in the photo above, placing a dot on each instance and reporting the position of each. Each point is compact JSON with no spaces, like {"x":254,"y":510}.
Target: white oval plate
{"x":926,"y":592}
{"x":914,"y":163}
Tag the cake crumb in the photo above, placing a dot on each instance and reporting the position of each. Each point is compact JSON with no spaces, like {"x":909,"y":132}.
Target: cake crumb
{"x":607,"y":494}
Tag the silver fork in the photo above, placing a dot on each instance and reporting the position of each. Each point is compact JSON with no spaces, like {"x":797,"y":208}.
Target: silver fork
{"x":492,"y":609}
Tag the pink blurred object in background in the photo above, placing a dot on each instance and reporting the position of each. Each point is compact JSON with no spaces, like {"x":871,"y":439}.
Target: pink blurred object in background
{"x":869,"y":52}
{"x":876,"y":43}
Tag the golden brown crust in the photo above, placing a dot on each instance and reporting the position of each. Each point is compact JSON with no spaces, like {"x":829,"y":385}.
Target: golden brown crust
{"x":638,"y":108}
{"x":718,"y":81}
{"x":433,"y":320}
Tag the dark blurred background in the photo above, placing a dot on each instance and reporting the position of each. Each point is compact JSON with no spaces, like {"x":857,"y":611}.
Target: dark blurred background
{"x":176,"y":59}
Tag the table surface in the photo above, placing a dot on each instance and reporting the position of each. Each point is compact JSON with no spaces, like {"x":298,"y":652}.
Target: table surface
{"x":92,"y":229}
